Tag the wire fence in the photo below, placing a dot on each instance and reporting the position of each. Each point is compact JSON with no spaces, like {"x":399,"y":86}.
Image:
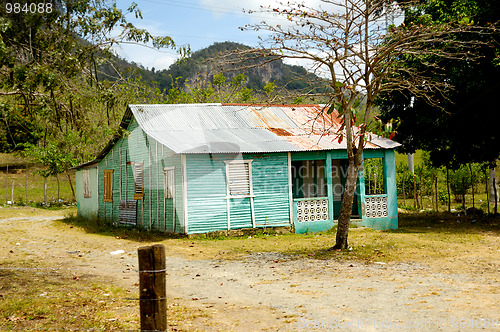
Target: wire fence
{"x":23,"y":185}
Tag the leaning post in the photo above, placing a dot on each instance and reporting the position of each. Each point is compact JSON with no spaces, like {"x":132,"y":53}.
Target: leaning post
{"x":152,"y":288}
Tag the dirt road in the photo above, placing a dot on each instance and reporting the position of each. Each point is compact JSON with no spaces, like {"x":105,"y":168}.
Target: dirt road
{"x":270,"y":291}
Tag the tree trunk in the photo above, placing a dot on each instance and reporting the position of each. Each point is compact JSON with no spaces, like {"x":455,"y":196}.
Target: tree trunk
{"x":45,"y":191}
{"x":420,"y":190}
{"x":493,"y":181}
{"x":472,"y":184}
{"x":495,"y":195}
{"x":437,"y":193}
{"x":12,"y":193}
{"x":487,"y":191}
{"x":411,"y":163}
{"x":7,"y":185}
{"x":404,"y":193}
{"x":58,"y":188}
{"x":463,"y":194}
{"x":346,"y":206}
{"x":71,"y":186}
{"x":448,"y":188}
{"x":415,"y":197}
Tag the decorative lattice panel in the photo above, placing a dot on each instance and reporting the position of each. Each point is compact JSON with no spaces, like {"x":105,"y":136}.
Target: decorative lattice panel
{"x":376,"y":207}
{"x":312,"y":210}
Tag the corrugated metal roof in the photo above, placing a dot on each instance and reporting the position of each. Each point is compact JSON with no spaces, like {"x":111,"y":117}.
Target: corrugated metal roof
{"x":226,"y":128}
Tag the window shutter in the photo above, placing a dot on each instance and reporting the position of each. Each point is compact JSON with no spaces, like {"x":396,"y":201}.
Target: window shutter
{"x":239,"y":179}
{"x":108,"y":185}
{"x":138,"y":180}
{"x":169,"y":183}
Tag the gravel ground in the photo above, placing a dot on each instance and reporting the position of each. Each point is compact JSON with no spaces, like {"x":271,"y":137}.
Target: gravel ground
{"x":271,"y":291}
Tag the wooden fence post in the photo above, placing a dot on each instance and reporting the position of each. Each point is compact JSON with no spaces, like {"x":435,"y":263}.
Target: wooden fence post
{"x":12,"y":193}
{"x":152,"y":293}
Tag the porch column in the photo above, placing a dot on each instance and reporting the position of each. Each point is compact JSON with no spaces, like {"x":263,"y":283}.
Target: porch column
{"x":391,"y":189}
{"x":290,"y":193}
{"x":329,"y":184}
{"x":362,"y":192}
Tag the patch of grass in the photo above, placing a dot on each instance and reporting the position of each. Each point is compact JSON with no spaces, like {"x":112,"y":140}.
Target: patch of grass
{"x":28,"y":212}
{"x":439,"y":239}
{"x":28,"y":188}
{"x":34,"y":297}
{"x":106,"y":228}
{"x":403,"y":157}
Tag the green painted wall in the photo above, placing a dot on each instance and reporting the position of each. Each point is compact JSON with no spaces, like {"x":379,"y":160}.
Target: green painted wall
{"x":153,"y":211}
{"x":270,"y":187}
{"x":391,"y":221}
{"x":87,"y":207}
{"x":207,"y":191}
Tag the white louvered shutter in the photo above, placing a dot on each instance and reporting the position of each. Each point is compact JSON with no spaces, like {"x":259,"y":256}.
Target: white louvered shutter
{"x":239,"y":179}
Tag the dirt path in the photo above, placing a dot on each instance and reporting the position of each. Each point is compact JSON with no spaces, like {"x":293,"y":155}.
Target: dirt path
{"x":269,"y":291}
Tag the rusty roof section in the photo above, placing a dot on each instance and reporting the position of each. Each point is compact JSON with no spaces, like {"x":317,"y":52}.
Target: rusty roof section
{"x":243,"y":128}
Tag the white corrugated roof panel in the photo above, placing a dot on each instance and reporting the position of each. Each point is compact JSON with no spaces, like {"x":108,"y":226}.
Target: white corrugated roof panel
{"x":218,"y":128}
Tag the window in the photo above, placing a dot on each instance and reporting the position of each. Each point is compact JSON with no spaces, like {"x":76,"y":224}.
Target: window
{"x":86,"y":183}
{"x":108,"y":185}
{"x":309,"y":179}
{"x":169,"y":182}
{"x":138,"y":180}
{"x":374,"y":176}
{"x":239,"y":178}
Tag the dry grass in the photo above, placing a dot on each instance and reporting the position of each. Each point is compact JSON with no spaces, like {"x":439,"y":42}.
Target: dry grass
{"x":36,"y":297}
{"x":443,"y":241}
{"x":28,"y":212}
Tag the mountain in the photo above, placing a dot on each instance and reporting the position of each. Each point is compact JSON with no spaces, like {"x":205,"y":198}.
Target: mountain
{"x":205,"y":63}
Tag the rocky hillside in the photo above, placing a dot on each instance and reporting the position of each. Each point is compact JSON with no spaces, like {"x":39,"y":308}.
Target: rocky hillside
{"x":205,"y":63}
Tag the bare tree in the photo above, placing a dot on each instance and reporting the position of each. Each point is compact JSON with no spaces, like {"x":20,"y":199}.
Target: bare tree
{"x":356,"y":46}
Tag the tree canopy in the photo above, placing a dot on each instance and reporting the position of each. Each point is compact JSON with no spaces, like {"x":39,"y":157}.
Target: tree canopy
{"x":462,"y":126}
{"x":50,"y":91}
{"x":364,"y":55}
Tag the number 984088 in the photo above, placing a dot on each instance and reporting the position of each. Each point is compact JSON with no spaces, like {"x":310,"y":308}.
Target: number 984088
{"x":29,"y":7}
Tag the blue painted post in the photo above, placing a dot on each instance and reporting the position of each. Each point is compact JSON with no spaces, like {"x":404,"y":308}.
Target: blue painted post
{"x":329,"y":184}
{"x":361,"y":177}
{"x":391,"y":189}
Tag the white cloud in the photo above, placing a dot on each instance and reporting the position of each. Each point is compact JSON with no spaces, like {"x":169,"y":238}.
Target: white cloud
{"x":163,"y":62}
{"x":146,"y":56}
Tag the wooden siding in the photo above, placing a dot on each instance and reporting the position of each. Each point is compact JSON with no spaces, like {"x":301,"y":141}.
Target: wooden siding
{"x":206,"y":193}
{"x":270,"y":188}
{"x":152,"y":212}
{"x":208,"y":197}
{"x":87,"y":207}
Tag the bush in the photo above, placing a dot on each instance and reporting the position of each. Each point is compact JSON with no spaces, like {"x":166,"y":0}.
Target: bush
{"x":443,"y":196}
{"x":460,"y":181}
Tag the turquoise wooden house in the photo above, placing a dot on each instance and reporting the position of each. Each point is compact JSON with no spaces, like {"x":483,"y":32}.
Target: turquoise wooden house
{"x":198,"y":168}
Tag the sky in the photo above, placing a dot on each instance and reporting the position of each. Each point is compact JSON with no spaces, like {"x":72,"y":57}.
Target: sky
{"x":197,"y":23}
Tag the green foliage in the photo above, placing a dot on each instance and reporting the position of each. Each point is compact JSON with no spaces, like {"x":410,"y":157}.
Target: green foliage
{"x":219,"y":90}
{"x":54,"y":158}
{"x":459,"y":127}
{"x":462,"y":179}
{"x":54,"y":104}
{"x":374,"y":176}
